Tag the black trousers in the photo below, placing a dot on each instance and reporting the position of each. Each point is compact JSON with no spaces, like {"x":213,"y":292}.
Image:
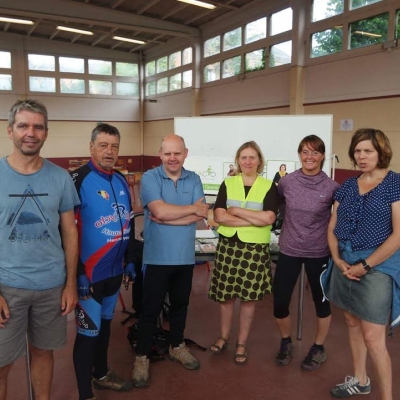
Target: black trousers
{"x":287,"y":271}
{"x":158,"y":280}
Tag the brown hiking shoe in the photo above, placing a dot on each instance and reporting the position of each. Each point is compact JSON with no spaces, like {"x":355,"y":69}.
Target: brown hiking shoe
{"x":183,"y":355}
{"x":140,"y":373}
{"x":112,"y":381}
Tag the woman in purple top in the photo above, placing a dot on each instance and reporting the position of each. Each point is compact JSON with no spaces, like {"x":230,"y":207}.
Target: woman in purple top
{"x":307,"y":196}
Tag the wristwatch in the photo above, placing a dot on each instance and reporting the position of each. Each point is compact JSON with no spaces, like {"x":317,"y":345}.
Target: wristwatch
{"x":366,"y":266}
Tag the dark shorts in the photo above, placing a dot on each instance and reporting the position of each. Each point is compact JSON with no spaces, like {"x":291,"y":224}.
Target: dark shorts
{"x":36,"y":313}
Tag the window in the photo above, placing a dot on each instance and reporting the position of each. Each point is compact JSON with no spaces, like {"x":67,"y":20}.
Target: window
{"x":361,"y":3}
{"x":42,"y":84}
{"x":5,"y":62}
{"x":187,"y":56}
{"x":322,"y":9}
{"x":162,"y":85}
{"x":174,"y":60}
{"x":175,"y":82}
{"x":281,"y":21}
{"x":232,"y":39}
{"x":100,"y":67}
{"x":369,"y":31}
{"x":37,"y":62}
{"x":326,"y":42}
{"x":256,"y":30}
{"x":169,"y":80}
{"x":231,"y":67}
{"x":127,"y":89}
{"x":212,"y":72}
{"x":255,"y":60}
{"x":397,"y":34}
{"x":74,"y":65}
{"x":212,"y":46}
{"x":5,"y":82}
{"x":280,"y":54}
{"x":103,"y":88}
{"x":151,"y":88}
{"x":150,"y":68}
{"x":162,"y":64}
{"x":59,"y":75}
{"x":127,"y":69}
{"x":73,"y":86}
{"x":187,"y":79}
{"x":5,"y":59}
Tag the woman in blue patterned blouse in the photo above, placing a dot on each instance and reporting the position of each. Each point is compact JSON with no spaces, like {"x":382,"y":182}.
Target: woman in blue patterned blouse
{"x":364,"y":240}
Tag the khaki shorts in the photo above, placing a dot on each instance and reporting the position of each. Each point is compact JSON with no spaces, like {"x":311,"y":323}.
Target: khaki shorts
{"x":36,"y":313}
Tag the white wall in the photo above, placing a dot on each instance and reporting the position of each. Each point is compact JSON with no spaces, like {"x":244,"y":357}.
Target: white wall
{"x":368,"y":75}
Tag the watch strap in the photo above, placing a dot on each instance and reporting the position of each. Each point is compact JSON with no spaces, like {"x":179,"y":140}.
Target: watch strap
{"x":366,"y":266}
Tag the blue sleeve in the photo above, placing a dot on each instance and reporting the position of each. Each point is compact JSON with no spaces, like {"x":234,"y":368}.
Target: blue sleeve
{"x":342,"y":191}
{"x":198,"y":191}
{"x":394,"y":188}
{"x":69,"y":197}
{"x":150,"y":188}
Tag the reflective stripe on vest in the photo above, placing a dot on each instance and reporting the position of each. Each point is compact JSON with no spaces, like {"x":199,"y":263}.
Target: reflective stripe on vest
{"x":250,"y":205}
{"x":254,"y":201}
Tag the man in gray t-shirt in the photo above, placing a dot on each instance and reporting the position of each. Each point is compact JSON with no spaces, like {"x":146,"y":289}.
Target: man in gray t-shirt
{"x":38,"y":249}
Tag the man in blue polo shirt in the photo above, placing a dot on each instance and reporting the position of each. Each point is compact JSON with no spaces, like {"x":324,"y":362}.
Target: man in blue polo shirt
{"x":173,"y":201}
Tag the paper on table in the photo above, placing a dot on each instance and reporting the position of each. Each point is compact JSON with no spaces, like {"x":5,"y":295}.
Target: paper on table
{"x":205,"y":233}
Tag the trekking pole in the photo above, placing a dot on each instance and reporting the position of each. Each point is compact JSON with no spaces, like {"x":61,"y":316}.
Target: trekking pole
{"x":28,"y":370}
{"x":300,"y":307}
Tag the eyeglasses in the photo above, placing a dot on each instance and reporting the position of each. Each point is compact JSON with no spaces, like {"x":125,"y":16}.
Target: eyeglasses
{"x":310,"y":153}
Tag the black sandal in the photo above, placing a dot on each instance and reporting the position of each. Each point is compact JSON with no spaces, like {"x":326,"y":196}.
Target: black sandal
{"x":217,"y":349}
{"x":240,"y":358}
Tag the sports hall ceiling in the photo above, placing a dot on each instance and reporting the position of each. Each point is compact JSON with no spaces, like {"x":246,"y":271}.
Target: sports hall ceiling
{"x":151,"y":21}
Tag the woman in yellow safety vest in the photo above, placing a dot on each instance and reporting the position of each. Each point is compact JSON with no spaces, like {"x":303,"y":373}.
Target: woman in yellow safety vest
{"x":245,"y":209}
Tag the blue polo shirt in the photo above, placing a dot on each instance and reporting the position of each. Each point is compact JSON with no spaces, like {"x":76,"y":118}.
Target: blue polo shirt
{"x":166,"y":244}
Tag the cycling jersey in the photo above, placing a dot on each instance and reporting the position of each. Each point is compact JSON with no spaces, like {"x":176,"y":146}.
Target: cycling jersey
{"x":103,"y":221}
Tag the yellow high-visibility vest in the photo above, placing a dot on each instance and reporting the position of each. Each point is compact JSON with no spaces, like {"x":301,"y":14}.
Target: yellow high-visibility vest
{"x":254,"y":201}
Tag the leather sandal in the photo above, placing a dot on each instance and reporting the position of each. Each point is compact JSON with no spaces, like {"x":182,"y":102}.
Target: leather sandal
{"x":241,"y":358}
{"x":218,"y":349}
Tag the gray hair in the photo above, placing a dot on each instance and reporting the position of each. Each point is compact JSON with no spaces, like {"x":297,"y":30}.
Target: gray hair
{"x":30,"y":105}
{"x":104,"y":128}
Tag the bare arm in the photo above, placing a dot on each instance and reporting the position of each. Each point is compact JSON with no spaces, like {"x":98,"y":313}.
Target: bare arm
{"x":188,"y":220}
{"x":256,"y":218}
{"x":222,"y":217}
{"x":334,"y":245}
{"x":169,"y":212}
{"x":4,"y":312}
{"x":69,"y":235}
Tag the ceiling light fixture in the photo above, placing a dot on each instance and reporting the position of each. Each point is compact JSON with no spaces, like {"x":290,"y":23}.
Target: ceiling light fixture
{"x":199,"y":4}
{"x":124,"y":39}
{"x":367,"y":34}
{"x":74,"y":30}
{"x":17,"y":21}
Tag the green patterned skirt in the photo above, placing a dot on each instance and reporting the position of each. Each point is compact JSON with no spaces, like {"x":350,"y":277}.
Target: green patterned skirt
{"x":240,"y":270}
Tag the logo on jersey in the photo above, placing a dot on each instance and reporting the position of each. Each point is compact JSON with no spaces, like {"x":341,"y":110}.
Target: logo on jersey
{"x":120,"y":213}
{"x":122,"y":193}
{"x":103,"y":194}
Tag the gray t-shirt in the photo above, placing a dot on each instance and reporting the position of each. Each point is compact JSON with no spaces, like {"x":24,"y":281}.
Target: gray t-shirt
{"x":31,"y":256}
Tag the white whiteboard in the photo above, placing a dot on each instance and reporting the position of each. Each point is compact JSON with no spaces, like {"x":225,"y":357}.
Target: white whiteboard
{"x":213,"y":142}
